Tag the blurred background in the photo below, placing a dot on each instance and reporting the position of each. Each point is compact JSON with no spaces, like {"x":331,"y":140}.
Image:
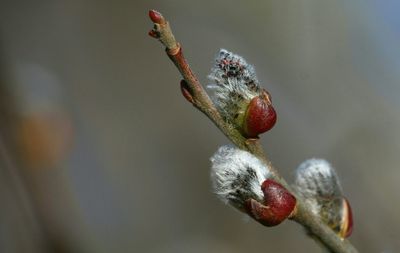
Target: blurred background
{"x":99,"y":152}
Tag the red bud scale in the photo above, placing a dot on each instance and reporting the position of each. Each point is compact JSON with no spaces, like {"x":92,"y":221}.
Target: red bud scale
{"x":278,"y":205}
{"x":347,"y":220}
{"x":260,"y":116}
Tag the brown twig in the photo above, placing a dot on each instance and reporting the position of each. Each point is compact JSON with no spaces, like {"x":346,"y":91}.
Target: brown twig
{"x":194,"y":92}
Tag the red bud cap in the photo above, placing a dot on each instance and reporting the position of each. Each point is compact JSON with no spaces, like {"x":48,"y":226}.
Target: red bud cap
{"x":278,"y":204}
{"x":185,"y":89}
{"x":156,"y":17}
{"x":347,"y":222}
{"x":260,"y":116}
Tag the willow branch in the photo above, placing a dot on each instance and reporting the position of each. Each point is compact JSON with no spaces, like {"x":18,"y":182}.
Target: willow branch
{"x":194,"y":92}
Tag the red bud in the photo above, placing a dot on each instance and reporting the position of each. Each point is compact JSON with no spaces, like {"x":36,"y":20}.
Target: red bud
{"x":281,"y":201}
{"x":156,"y":17}
{"x":278,"y":204}
{"x":347,"y":221}
{"x":186,"y":91}
{"x":153,"y":34}
{"x":260,"y":116}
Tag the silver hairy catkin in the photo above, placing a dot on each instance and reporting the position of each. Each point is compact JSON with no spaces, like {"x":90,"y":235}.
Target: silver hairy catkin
{"x":237,"y":176}
{"x":317,"y":182}
{"x":234,"y":83}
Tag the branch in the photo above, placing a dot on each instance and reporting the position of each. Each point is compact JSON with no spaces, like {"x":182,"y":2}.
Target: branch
{"x":194,"y":92}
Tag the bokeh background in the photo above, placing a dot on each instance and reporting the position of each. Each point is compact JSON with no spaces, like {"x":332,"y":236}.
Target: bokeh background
{"x":99,"y":152}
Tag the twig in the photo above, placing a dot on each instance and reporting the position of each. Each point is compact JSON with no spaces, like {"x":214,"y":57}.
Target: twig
{"x":194,"y":92}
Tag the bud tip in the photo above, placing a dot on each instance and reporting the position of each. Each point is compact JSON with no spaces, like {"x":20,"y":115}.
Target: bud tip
{"x":156,"y":17}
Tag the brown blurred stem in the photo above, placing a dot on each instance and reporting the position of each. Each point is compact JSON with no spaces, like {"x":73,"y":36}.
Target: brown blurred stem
{"x":194,"y":92}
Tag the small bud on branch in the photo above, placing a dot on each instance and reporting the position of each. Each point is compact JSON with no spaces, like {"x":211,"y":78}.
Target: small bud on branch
{"x":241,"y":180}
{"x":317,"y":182}
{"x":239,"y":97}
{"x":156,"y":17}
{"x":185,"y":89}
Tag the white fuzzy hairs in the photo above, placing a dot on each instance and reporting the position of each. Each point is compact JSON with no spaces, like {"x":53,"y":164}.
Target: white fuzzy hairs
{"x":234,"y":83}
{"x":317,"y":177}
{"x":237,"y":175}
{"x":317,"y":182}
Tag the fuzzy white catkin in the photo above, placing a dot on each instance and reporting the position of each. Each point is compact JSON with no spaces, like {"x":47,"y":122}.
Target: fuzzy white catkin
{"x":234,"y":83}
{"x":237,"y":175}
{"x":316,"y":181}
